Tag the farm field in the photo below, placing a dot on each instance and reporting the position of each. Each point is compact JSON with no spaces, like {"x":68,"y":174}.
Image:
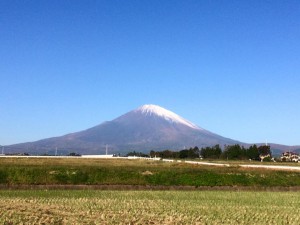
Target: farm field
{"x":79,"y":171}
{"x":148,"y":207}
{"x":48,"y":203}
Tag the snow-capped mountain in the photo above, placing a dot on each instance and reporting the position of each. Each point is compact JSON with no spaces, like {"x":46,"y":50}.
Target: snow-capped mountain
{"x":149,"y":127}
{"x":155,"y":110}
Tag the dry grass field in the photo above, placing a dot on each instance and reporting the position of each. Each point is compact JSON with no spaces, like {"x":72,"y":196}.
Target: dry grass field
{"x":143,"y":206}
{"x":148,"y":207}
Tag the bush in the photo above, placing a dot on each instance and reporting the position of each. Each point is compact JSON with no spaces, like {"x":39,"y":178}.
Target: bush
{"x":267,"y":159}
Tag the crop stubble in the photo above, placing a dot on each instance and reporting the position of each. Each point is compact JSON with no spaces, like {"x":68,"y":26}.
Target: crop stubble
{"x":148,"y":207}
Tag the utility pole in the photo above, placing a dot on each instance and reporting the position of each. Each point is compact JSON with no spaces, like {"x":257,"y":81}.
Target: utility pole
{"x":56,"y":151}
{"x":106,"y":149}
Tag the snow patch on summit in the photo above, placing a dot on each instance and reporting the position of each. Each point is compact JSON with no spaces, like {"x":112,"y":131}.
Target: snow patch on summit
{"x":166,"y":114}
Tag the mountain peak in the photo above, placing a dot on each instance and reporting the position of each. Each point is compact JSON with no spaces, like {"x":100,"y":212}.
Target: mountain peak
{"x":149,"y":127}
{"x":150,"y":110}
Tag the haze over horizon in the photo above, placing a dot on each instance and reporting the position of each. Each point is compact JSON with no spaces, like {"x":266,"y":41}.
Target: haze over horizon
{"x":229,"y":67}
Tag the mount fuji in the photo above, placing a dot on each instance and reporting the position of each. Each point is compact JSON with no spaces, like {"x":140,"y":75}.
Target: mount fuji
{"x":149,"y":127}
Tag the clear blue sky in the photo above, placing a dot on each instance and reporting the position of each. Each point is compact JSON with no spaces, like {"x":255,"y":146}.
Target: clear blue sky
{"x":232,"y":67}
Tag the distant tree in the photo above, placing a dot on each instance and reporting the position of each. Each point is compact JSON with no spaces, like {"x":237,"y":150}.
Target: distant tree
{"x":234,"y":152}
{"x":167,"y":154}
{"x":74,"y":154}
{"x":205,"y":152}
{"x":211,"y":152}
{"x":152,"y":153}
{"x":139,"y":154}
{"x":183,"y":154}
{"x":176,"y":155}
{"x":193,"y":153}
{"x":252,"y":152}
{"x":131,"y":153}
{"x":188,"y":153}
{"x":264,"y":150}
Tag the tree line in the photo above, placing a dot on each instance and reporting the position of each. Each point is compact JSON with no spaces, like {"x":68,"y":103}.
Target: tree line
{"x":185,"y":153}
{"x":230,"y":152}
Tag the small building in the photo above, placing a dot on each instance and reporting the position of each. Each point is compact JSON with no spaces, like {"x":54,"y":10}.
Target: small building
{"x":290,"y":157}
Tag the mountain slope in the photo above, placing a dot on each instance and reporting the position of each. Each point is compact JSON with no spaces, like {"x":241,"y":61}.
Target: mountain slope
{"x":146,"y":128}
